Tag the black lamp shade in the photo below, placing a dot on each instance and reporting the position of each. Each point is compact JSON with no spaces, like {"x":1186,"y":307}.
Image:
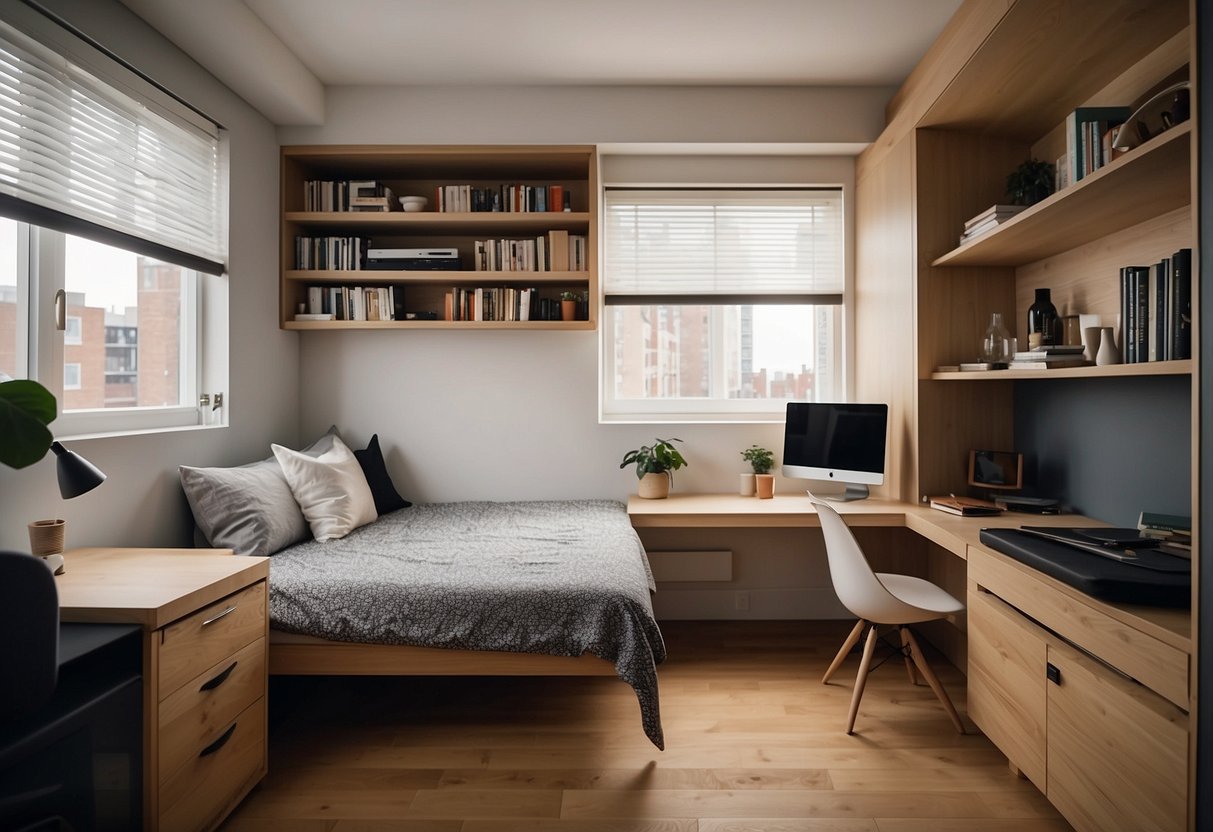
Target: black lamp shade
{"x":76,"y":474}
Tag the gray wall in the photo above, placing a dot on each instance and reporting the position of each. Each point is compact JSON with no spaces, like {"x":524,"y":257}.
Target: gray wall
{"x":1108,"y":447}
{"x":142,"y":504}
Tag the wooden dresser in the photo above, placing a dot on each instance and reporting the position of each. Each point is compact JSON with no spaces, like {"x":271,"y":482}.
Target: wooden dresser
{"x":205,"y":618}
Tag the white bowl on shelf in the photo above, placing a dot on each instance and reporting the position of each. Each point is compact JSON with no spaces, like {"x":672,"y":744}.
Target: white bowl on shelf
{"x":413,"y":203}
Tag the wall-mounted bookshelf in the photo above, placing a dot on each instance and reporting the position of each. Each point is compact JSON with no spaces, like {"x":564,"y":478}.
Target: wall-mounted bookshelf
{"x":516,"y":173}
{"x":1149,"y":368}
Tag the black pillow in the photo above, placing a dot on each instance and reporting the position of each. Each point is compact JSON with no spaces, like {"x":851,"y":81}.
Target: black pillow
{"x":373,"y":468}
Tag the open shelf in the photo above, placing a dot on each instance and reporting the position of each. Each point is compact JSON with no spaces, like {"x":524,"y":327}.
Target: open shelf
{"x":486,"y":223}
{"x":452,"y":278}
{"x":519,"y":325}
{"x":1149,"y":181}
{"x":1150,"y":368}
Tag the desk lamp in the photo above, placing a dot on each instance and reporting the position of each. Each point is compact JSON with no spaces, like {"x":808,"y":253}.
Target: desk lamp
{"x":76,"y":476}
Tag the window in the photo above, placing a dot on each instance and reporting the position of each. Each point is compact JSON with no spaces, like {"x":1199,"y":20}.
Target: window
{"x":721,"y":305}
{"x":112,"y":226}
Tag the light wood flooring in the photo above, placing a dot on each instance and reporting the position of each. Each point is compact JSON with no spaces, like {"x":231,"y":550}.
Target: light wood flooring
{"x":754,"y":743}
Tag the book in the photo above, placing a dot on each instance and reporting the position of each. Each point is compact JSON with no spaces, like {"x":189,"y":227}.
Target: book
{"x":964,"y":506}
{"x":1048,"y":365}
{"x":1164,"y":522}
{"x":1160,"y":292}
{"x":993,"y":212}
{"x":307,"y":316}
{"x":1181,"y":297}
{"x":1080,"y":150}
{"x":979,"y":366}
{"x":1047,"y":354}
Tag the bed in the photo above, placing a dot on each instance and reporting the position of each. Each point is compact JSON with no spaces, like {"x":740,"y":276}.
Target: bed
{"x":475,"y":588}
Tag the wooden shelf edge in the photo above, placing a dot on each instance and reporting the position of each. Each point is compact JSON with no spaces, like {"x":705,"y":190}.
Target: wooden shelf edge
{"x":424,"y":218}
{"x":1049,"y":211}
{"x":558,"y":326}
{"x":431,"y":277}
{"x":1152,"y":368}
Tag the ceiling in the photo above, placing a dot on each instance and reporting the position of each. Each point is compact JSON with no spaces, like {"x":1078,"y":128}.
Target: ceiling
{"x":318,"y":43}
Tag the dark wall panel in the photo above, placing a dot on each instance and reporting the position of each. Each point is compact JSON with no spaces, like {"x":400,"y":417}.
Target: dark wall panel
{"x":1108,"y":447}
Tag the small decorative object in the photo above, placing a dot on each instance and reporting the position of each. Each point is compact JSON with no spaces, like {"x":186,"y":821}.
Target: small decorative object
{"x":413,"y":203}
{"x":46,"y":541}
{"x":1071,"y":335}
{"x":747,"y":485}
{"x":1090,"y":343}
{"x":996,"y":343}
{"x":568,"y":306}
{"x":1108,"y":353}
{"x":761,"y":460}
{"x":1031,"y":182}
{"x":1163,"y":111}
{"x":1043,"y":323}
{"x":655,"y":465}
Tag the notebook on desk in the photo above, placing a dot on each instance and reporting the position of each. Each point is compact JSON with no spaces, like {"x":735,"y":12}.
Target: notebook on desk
{"x":964,"y":506}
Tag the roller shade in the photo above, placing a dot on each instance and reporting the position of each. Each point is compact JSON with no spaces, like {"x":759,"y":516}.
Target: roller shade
{"x":773,"y":245}
{"x":81,"y":156}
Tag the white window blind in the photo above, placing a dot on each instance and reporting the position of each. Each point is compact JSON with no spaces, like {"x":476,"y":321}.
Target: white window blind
{"x":79,"y":155}
{"x":748,"y":245}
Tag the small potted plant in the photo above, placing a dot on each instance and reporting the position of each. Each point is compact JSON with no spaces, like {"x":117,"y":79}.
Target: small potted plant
{"x":761,"y":460}
{"x":655,"y":465}
{"x":568,"y":306}
{"x":1031,"y":182}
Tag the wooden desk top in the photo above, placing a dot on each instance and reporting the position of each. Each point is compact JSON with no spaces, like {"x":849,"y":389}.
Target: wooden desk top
{"x":150,"y":587}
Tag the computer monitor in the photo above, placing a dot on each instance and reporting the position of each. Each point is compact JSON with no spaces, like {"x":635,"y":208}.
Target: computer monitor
{"x":837,"y":443}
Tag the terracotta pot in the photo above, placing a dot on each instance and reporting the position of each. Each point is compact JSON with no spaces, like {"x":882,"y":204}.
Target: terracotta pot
{"x":568,"y":310}
{"x":747,"y":485}
{"x":654,"y":486}
{"x":765,"y":483}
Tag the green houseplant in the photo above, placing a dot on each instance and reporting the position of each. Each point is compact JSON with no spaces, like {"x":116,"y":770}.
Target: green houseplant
{"x":762,"y":461}
{"x":655,"y":465}
{"x":1031,"y":182}
{"x":26,"y":408}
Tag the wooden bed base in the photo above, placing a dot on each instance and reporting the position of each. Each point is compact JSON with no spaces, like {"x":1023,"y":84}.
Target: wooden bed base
{"x":348,"y":659}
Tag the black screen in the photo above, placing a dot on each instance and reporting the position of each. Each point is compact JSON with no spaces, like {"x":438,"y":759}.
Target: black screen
{"x":849,"y":437}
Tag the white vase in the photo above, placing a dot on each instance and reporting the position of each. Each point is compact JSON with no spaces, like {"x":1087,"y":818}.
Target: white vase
{"x":747,"y":485}
{"x":1108,"y":353}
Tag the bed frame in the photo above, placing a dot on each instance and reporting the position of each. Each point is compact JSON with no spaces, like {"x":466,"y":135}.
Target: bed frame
{"x":338,"y":658}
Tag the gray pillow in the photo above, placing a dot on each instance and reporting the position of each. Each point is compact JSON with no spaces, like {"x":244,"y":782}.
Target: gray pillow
{"x":249,"y":509}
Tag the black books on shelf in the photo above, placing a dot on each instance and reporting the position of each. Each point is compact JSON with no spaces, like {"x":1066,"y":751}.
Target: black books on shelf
{"x":1156,"y":310}
{"x":500,"y":304}
{"x":330,"y":253}
{"x":1089,"y":139}
{"x":510,"y":198}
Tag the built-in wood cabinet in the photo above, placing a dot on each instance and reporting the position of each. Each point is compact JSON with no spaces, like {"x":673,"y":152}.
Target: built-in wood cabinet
{"x":424,"y":171}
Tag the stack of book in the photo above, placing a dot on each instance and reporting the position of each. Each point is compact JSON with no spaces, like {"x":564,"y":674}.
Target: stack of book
{"x":330,"y":253}
{"x":1173,"y":530}
{"x":988,"y":219}
{"x":347,"y":195}
{"x":1156,"y":310}
{"x":499,"y":304}
{"x":355,"y":303}
{"x":1089,"y":139}
{"x":556,"y":251}
{"x":508,"y":198}
{"x":1049,"y":358}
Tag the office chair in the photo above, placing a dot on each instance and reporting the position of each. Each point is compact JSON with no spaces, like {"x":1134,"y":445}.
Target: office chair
{"x":877,"y":599}
{"x":29,"y":634}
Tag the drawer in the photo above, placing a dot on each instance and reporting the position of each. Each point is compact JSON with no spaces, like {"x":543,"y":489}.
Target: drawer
{"x":202,"y":709}
{"x":199,"y":794}
{"x":189,"y":646}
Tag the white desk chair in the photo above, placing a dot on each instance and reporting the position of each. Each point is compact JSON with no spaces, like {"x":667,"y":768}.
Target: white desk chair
{"x":897,"y":600}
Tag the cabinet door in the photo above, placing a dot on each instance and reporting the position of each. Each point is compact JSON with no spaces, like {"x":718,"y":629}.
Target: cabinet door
{"x":1118,"y":752}
{"x":1007,"y":694}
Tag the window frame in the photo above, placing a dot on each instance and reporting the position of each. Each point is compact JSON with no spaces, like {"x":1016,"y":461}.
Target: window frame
{"x":723,"y":410}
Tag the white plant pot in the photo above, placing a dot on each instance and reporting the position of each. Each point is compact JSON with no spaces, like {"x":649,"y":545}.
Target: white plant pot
{"x":747,"y":485}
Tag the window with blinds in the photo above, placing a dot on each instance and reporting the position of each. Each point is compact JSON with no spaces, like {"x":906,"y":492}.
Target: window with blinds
{"x":81,"y":156}
{"x":721,"y":304}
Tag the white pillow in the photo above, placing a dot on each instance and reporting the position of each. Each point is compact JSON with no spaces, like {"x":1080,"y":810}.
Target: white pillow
{"x":330,"y":489}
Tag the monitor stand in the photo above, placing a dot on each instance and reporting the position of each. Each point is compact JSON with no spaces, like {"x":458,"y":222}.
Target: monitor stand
{"x":853,"y":492}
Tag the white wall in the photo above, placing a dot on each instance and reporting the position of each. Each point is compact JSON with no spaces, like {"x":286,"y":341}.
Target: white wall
{"x":501,"y":415}
{"x":142,"y":503}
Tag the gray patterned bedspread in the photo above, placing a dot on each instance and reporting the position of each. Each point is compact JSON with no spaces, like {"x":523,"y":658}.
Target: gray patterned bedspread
{"x":559,"y":577}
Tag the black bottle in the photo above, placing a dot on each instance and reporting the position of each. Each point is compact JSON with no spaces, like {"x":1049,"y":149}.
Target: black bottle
{"x":1042,"y":318}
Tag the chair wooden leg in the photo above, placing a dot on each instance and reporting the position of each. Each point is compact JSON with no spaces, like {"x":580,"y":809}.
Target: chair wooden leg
{"x":846,"y":648}
{"x":932,"y":680}
{"x":905,"y":647}
{"x":869,"y":647}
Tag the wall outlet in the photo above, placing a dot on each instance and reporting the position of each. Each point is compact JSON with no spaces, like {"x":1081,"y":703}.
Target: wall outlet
{"x":741,"y":601}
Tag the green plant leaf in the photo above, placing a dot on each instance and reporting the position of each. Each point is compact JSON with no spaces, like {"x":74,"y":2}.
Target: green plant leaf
{"x":26,"y":408}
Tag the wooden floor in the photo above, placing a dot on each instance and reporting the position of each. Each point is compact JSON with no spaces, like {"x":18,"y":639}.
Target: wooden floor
{"x":754,"y":742}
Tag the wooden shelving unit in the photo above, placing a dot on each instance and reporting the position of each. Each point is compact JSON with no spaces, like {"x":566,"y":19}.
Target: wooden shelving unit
{"x":1151,"y":368}
{"x":420,"y":171}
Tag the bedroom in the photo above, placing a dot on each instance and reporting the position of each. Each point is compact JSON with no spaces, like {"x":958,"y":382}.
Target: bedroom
{"x":540,"y":387}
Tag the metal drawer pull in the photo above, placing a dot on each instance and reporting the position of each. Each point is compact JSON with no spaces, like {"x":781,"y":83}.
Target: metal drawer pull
{"x":226,"y":612}
{"x":219,"y":743}
{"x":220,"y":679}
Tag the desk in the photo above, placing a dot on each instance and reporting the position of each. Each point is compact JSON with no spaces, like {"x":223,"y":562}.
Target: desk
{"x":1067,"y":734}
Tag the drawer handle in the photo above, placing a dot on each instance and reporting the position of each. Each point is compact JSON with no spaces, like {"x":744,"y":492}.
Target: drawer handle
{"x":219,"y":743}
{"x":223,"y":614}
{"x":1053,"y":673}
{"x":220,"y":679}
